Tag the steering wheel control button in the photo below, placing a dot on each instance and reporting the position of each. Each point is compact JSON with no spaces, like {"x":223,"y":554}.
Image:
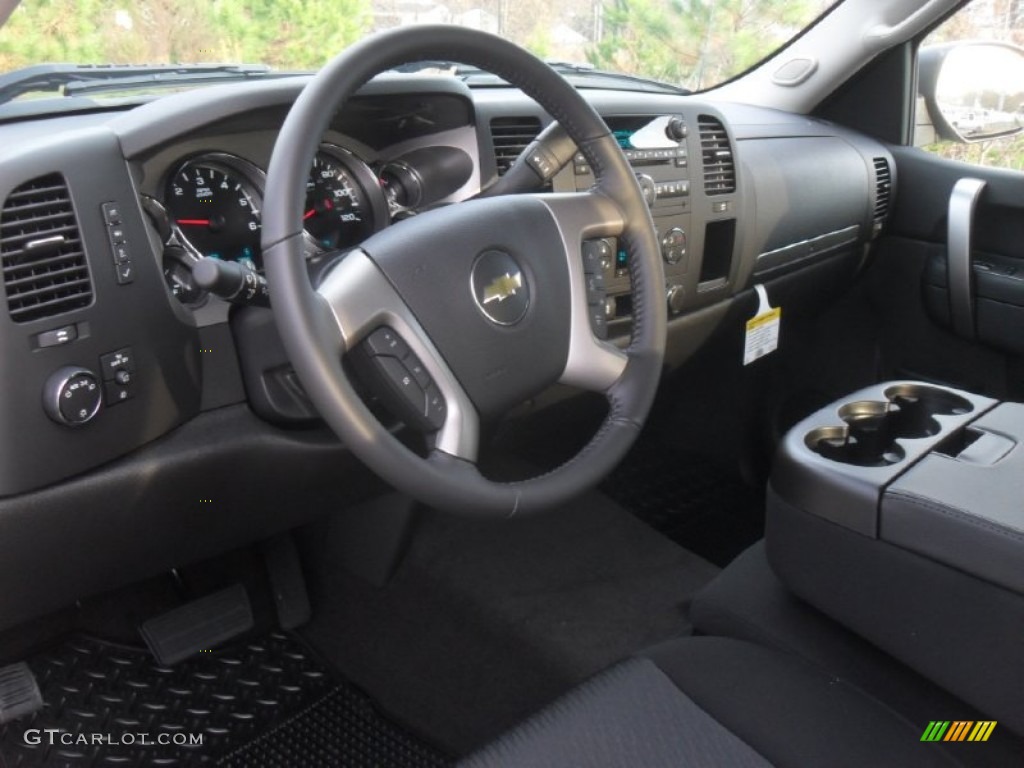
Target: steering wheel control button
{"x":598,"y":321}
{"x":403,"y":384}
{"x":436,"y":408}
{"x":398,"y":376}
{"x":384,"y":341}
{"x":597,"y":256}
{"x":415,"y":367}
{"x":543,"y":163}
{"x":500,"y":288}
{"x":596,"y":288}
{"x":57,"y":336}
{"x":72,"y":396}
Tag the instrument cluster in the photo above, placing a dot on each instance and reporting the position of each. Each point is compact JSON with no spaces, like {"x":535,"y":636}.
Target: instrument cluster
{"x":212,"y":203}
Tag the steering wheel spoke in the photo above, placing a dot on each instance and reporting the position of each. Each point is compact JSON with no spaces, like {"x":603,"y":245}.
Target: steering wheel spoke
{"x":361,"y":300}
{"x":592,"y":364}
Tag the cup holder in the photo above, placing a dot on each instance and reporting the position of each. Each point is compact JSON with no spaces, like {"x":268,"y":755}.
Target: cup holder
{"x":873,"y":427}
{"x":842,"y":444}
{"x":916,"y":406}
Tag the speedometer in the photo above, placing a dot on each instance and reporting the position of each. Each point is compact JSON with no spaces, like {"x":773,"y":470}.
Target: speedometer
{"x":216,"y":208}
{"x":344,"y":203}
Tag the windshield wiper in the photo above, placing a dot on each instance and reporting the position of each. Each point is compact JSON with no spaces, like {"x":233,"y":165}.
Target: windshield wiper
{"x":75,"y":79}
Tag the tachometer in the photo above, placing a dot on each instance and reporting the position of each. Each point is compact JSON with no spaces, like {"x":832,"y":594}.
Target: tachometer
{"x":216,"y":208}
{"x":344,"y":203}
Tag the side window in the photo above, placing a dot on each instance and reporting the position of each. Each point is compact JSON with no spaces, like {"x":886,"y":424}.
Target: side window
{"x":970,"y":104}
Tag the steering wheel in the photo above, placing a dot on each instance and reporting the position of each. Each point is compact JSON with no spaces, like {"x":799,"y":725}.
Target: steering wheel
{"x":488,"y":295}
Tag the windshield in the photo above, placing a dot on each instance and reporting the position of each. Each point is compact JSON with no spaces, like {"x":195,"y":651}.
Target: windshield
{"x":694,"y":44}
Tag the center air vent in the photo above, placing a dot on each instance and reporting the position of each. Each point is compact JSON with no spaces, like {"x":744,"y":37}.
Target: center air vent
{"x":716,"y":155}
{"x":511,"y":135}
{"x":883,"y":189}
{"x":44,"y":268}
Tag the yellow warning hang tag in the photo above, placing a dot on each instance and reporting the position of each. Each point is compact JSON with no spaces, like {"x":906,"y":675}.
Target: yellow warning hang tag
{"x":762,"y":329}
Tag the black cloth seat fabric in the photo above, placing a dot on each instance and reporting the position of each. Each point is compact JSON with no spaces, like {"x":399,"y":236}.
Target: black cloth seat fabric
{"x":747,"y":601}
{"x":707,"y":701}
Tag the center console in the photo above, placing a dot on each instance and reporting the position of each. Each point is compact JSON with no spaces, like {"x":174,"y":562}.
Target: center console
{"x":899,"y":512}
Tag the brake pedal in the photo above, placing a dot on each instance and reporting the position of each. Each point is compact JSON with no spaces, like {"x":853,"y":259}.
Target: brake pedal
{"x":199,"y":625}
{"x":19,"y":693}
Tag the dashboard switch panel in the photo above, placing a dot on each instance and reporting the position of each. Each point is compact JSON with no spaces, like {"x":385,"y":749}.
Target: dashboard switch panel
{"x":118,"y":372}
{"x":113,"y":363}
{"x":118,"y":243}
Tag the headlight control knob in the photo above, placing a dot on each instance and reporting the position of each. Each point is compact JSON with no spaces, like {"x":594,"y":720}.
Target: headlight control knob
{"x":72,"y":396}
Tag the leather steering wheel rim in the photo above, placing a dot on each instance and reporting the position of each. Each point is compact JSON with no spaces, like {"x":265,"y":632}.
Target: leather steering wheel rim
{"x":313,"y":322}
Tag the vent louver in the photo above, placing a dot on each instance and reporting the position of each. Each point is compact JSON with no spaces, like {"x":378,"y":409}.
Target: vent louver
{"x":511,"y":135}
{"x":883,"y":189}
{"x":44,"y":267}
{"x":717,"y":157}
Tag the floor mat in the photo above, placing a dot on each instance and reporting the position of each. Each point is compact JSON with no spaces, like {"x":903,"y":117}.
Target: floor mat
{"x":690,"y":499}
{"x":266,"y":702}
{"x":487,"y":620}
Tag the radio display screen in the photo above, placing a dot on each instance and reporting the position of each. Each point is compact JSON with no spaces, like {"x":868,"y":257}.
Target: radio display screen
{"x":623,"y":128}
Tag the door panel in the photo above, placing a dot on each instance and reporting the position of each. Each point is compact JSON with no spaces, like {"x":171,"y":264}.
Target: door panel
{"x":915,"y":268}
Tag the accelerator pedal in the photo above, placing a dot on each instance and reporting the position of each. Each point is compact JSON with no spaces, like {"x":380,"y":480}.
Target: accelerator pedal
{"x":198,"y":626}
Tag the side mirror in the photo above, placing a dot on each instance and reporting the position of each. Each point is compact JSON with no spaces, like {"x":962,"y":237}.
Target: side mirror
{"x":973,"y":91}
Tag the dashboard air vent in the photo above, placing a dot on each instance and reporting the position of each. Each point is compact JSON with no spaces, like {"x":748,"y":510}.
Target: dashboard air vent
{"x":44,"y":267}
{"x":716,"y":155}
{"x":511,"y":135}
{"x":883,"y":189}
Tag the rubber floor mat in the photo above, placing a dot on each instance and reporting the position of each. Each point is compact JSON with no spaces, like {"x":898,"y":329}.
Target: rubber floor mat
{"x":266,"y":702}
{"x":690,"y":499}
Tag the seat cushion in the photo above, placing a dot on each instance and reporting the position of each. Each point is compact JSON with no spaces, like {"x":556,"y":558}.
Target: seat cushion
{"x":713,"y":702}
{"x":629,"y":715}
{"x":791,"y":712}
{"x":747,"y":601}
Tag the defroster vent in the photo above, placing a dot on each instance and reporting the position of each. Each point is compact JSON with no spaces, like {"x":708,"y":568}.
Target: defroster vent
{"x":511,"y":135}
{"x":716,"y":156}
{"x":44,"y":267}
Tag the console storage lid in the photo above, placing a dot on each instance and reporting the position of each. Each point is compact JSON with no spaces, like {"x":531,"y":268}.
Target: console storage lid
{"x":963,"y":503}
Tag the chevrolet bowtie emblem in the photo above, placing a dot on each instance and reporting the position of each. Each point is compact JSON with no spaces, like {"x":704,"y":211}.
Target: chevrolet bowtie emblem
{"x":503,"y":287}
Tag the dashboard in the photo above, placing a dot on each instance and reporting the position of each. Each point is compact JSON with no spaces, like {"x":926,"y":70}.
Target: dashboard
{"x":111,"y":344}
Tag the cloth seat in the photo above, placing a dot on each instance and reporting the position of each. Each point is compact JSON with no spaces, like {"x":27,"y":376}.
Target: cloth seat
{"x":712,"y":701}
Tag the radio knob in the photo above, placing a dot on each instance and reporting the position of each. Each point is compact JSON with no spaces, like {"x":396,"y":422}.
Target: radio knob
{"x":675,"y":296}
{"x":72,"y":396}
{"x":648,"y":187}
{"x":676,"y":128}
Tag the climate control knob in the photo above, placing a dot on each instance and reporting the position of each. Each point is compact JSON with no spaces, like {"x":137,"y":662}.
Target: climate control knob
{"x":675,"y":296}
{"x":72,"y":396}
